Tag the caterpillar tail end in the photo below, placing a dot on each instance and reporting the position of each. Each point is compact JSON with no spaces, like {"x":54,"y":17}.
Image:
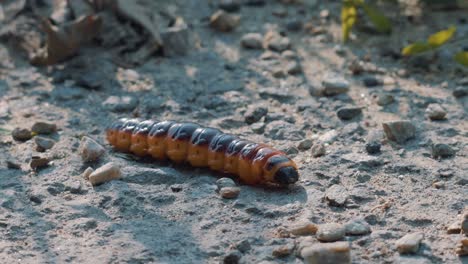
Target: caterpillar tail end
{"x":286,"y":175}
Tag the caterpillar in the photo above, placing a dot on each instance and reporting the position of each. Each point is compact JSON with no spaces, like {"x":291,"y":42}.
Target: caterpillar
{"x":253,"y":163}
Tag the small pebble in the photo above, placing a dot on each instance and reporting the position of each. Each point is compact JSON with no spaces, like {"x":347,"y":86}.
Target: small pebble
{"x":438,"y":185}
{"x":373,"y":147}
{"x":223,"y":21}
{"x":90,"y":150}
{"x":357,"y":227}
{"x":305,"y":144}
{"x":254,"y":114}
{"x":230,"y":5}
{"x":348,"y":113}
{"x":280,"y":12}
{"x":252,"y":41}
{"x":293,"y":68}
{"x":258,"y":128}
{"x":462,"y":249}
{"x":399,"y":131}
{"x":21,"y":134}
{"x":435,"y":112}
{"x":13,"y":165}
{"x":38,"y":163}
{"x":278,"y":72}
{"x":409,"y":243}
{"x":294,"y":25}
{"x":279,"y":43}
{"x":385,"y":99}
{"x":225,"y":182}
{"x":464,"y":224}
{"x":304,"y":228}
{"x":460,"y":92}
{"x":232,"y":257}
{"x":454,"y":228}
{"x":336,"y":195}
{"x":108,"y":172}
{"x":43,"y":144}
{"x":441,"y":150}
{"x":335,"y":85}
{"x":330,"y":232}
{"x":282,"y":251}
{"x":87,"y":172}
{"x":318,"y":150}
{"x":371,"y":81}
{"x":43,"y":128}
{"x":327,"y":253}
{"x":289,"y":54}
{"x":243,"y":246}
{"x":229,"y":192}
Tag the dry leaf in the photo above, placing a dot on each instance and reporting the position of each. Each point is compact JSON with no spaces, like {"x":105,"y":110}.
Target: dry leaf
{"x":63,"y":42}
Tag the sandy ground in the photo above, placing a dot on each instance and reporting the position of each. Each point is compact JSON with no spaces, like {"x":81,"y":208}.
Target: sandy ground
{"x":160,"y":213}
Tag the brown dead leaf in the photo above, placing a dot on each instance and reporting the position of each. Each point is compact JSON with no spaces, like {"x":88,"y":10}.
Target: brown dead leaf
{"x":63,"y":42}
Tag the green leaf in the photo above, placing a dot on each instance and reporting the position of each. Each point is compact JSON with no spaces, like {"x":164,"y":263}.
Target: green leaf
{"x":441,"y":37}
{"x":462,"y":58}
{"x":348,"y":18}
{"x":381,"y":22}
{"x":416,"y":48}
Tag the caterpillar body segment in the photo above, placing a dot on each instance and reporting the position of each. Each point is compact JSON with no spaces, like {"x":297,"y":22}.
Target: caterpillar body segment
{"x":252,"y":162}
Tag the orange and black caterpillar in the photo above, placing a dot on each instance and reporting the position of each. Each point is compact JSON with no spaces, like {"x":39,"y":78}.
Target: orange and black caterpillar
{"x":203,"y":147}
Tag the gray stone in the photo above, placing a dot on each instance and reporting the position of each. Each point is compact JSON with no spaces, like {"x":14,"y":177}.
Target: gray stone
{"x":90,"y":150}
{"x":120,"y":103}
{"x":441,"y":150}
{"x":230,"y":5}
{"x":21,"y":134}
{"x":327,"y":253}
{"x":329,"y":136}
{"x":176,"y":39}
{"x":232,"y":257}
{"x":336,"y":195}
{"x":223,"y":21}
{"x":385,"y":99}
{"x":43,"y":144}
{"x":460,"y":91}
{"x":371,"y":81}
{"x":68,"y":93}
{"x":90,"y":79}
{"x":44,"y":128}
{"x":318,"y":150}
{"x":399,"y":131}
{"x":335,"y":85}
{"x":229,"y":192}
{"x":254,"y":114}
{"x":409,"y":243}
{"x":225,"y":182}
{"x":348,"y":113}
{"x":279,"y":43}
{"x":435,"y":112}
{"x":293,"y":68}
{"x":293,"y":25}
{"x":330,"y":232}
{"x":243,"y":246}
{"x":278,"y":72}
{"x":464,"y":224}
{"x":373,"y":147}
{"x":252,"y":41}
{"x":289,"y":55}
{"x":258,"y":128}
{"x":305,"y":144}
{"x":357,"y":227}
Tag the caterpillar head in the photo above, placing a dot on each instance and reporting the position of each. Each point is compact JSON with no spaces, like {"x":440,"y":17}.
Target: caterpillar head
{"x":286,"y":175}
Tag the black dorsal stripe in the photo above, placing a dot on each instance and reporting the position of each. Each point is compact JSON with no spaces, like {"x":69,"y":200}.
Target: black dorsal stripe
{"x":182,"y":131}
{"x":130,"y":125}
{"x":249,"y":150}
{"x":236,"y":146}
{"x":204,"y":136}
{"x":220,"y":142}
{"x":144,"y":127}
{"x":160,"y":129}
{"x":275,"y":160}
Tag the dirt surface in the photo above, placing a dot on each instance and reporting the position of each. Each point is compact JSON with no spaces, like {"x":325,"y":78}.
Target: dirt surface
{"x":160,"y":213}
